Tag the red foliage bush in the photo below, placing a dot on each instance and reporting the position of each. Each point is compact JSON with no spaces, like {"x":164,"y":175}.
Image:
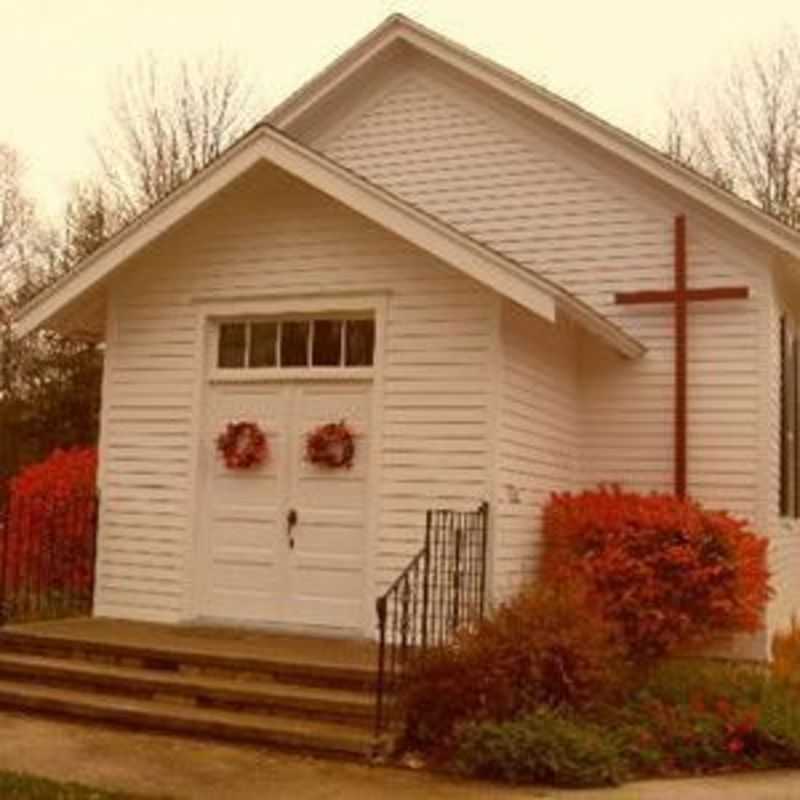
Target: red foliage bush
{"x":63,"y":474}
{"x":544,"y":647}
{"x":48,"y":541}
{"x":667,"y":571}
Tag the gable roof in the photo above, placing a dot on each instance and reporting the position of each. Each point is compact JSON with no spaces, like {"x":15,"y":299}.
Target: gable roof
{"x":264,"y":143}
{"x":399,"y":30}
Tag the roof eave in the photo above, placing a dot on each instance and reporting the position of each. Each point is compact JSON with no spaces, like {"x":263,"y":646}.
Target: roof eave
{"x":155,"y":221}
{"x":479,"y":262}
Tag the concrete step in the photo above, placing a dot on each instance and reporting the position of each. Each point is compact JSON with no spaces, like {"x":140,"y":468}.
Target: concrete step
{"x":322,"y":738}
{"x":354,"y":708}
{"x":186,"y":659}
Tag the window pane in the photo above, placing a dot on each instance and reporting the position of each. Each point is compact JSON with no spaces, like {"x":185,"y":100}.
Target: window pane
{"x":231,"y":344}
{"x":263,"y":341}
{"x":327,"y":343}
{"x":360,"y":342}
{"x":294,"y":344}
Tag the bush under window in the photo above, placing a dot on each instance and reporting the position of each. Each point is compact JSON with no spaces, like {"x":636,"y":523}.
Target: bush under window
{"x":666,"y":570}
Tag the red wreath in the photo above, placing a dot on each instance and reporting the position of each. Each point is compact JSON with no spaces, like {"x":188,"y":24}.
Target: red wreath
{"x":242,"y":445}
{"x":331,"y":445}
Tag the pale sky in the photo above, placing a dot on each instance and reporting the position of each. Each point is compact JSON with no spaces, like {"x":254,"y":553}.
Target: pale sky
{"x":621,"y":59}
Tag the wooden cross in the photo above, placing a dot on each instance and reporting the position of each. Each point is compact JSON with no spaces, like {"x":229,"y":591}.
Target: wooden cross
{"x":680,"y":296}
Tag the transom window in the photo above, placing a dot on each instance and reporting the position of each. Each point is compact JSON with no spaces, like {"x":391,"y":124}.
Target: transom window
{"x":287,"y":343}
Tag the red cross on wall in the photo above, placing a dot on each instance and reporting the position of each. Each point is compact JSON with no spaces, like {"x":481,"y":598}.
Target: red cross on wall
{"x":680,"y":296}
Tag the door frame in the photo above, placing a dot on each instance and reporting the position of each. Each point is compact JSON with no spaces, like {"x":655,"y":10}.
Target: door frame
{"x":209,"y":311}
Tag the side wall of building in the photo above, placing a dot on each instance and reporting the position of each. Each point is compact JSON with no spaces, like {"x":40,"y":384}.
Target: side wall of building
{"x":537,"y":437}
{"x":527,"y":189}
{"x":558,"y":206}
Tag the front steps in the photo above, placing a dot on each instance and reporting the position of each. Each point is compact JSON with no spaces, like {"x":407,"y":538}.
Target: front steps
{"x":302,"y":705}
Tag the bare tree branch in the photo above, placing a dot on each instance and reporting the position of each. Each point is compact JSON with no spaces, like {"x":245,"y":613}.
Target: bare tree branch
{"x":168,"y":123}
{"x":28,"y":250}
{"x":745,"y":135}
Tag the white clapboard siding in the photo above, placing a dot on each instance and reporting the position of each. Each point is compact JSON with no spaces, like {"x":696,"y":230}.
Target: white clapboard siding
{"x":537,"y":436}
{"x":269,"y":235}
{"x":596,"y":229}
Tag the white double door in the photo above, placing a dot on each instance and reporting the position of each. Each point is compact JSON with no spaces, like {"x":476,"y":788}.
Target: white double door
{"x":284,"y":543}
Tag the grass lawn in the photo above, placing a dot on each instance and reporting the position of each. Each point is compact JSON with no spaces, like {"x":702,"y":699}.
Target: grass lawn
{"x":16,"y":786}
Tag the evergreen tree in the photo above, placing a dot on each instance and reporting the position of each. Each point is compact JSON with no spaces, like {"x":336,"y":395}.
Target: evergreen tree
{"x":49,"y":384}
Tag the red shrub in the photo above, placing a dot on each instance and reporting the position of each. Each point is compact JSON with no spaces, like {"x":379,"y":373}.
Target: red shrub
{"x":666,"y":570}
{"x":63,"y":474}
{"x":544,"y":647}
{"x":48,"y":542}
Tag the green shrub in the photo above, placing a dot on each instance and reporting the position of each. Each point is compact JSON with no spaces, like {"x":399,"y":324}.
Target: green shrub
{"x":543,"y":648}
{"x":696,"y":716}
{"x":540,"y":748}
{"x":659,"y":738}
{"x":779,"y":719}
{"x":686,"y":716}
{"x":19,"y":786}
{"x":684,"y":680}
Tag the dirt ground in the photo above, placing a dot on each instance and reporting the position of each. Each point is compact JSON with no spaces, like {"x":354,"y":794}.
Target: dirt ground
{"x":164,"y":766}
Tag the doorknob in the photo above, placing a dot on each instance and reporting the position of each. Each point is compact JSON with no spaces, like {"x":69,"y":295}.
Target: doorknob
{"x":291,"y":521}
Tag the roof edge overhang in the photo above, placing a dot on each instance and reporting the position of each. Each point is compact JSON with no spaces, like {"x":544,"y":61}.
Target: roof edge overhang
{"x":421,"y":229}
{"x":568,"y":115}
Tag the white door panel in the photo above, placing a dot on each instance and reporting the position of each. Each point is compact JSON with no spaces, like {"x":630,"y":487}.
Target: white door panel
{"x":326,"y":566}
{"x":251,"y":571}
{"x":246,"y":555}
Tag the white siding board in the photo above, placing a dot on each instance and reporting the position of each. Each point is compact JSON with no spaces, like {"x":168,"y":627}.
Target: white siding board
{"x":537,"y":436}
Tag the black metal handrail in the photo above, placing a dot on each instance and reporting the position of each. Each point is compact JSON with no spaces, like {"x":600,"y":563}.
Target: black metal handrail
{"x":47,"y":556}
{"x":442,"y":589}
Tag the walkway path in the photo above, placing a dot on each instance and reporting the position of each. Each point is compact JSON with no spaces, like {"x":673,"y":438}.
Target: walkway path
{"x":181,"y":769}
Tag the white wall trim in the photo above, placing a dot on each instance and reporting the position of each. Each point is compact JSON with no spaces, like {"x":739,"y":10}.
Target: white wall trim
{"x":495,"y":390}
{"x":278,"y":374}
{"x":102,"y":459}
{"x":313,"y":302}
{"x":764,"y":515}
{"x":194,"y":576}
{"x":375,"y":478}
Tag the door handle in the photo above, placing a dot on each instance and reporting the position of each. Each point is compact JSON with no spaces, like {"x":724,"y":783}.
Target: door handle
{"x":291,"y":521}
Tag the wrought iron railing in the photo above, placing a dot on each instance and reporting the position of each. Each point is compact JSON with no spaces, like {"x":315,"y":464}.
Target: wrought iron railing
{"x":441,"y":590}
{"x":47,"y":556}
